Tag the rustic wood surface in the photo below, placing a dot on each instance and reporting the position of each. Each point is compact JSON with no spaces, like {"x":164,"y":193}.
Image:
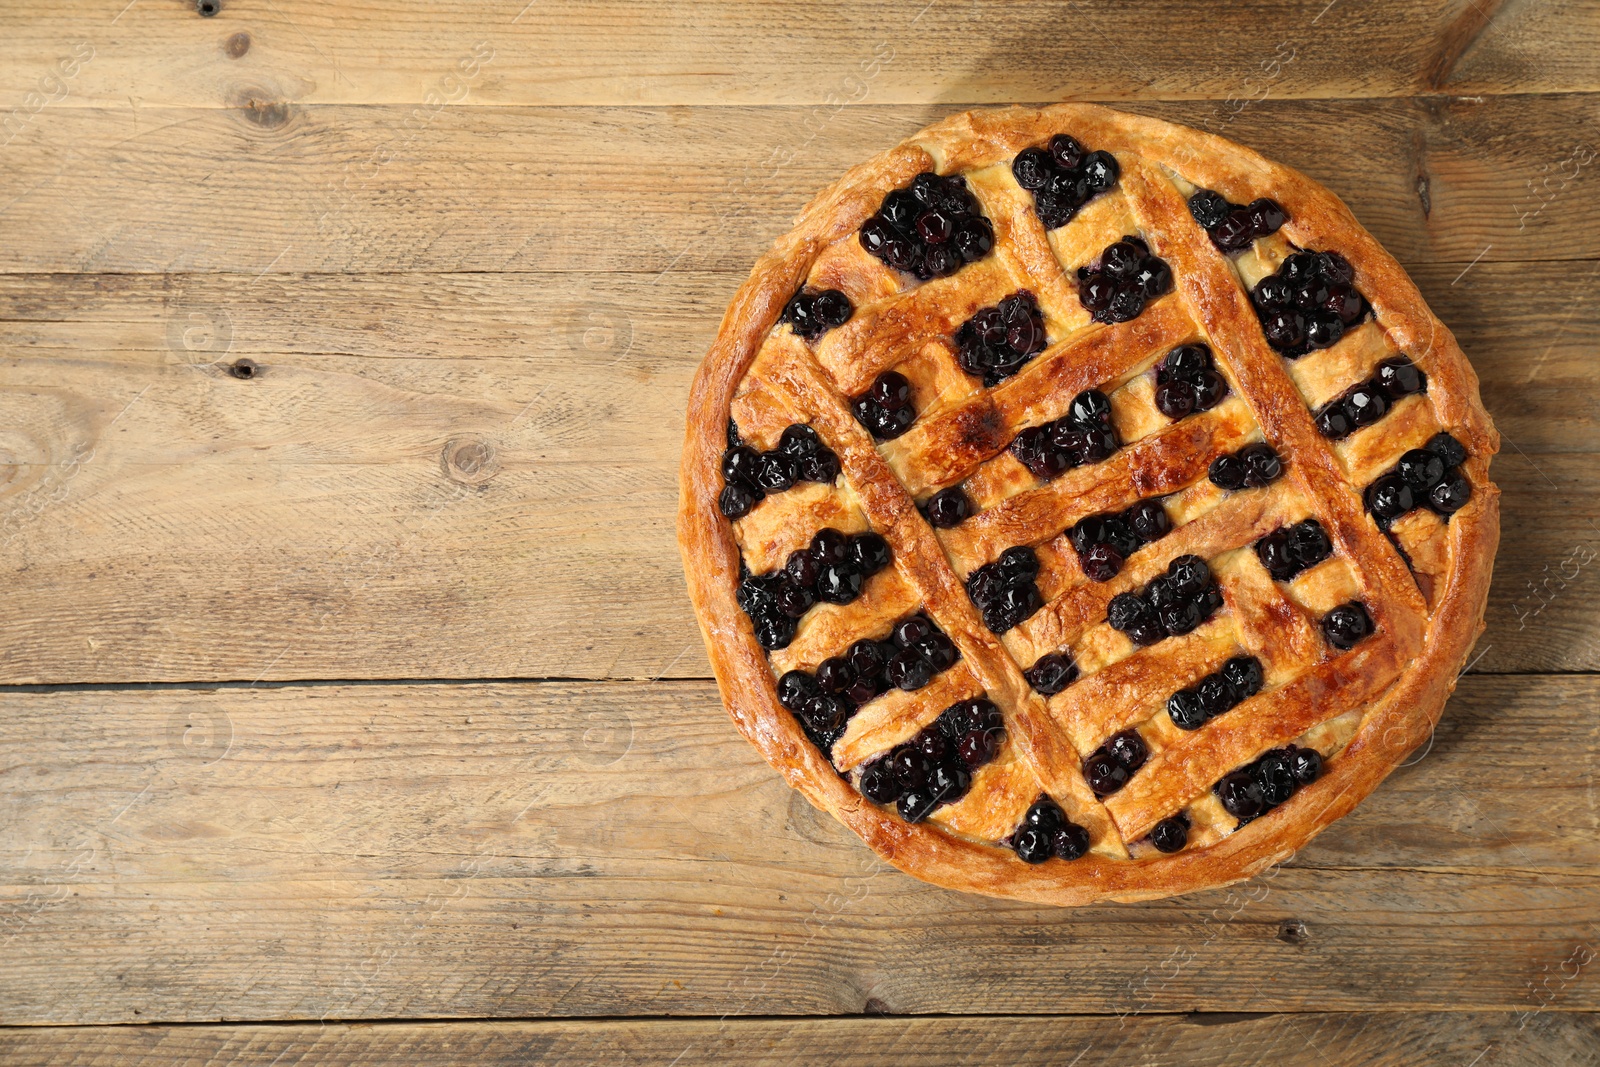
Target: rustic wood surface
{"x":351,"y":709}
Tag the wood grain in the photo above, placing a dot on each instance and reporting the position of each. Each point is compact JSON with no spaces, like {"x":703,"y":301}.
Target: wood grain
{"x":288,"y":188}
{"x":725,"y":52}
{"x":341,"y":852}
{"x":1551,"y":1039}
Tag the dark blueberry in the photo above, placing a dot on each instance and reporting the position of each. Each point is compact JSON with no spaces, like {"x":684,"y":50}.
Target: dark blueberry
{"x":870,"y":553}
{"x":1184,"y":364}
{"x":1147,"y":632}
{"x":1017,"y":603}
{"x":949,"y":782}
{"x":1306,"y":765}
{"x":973,"y":239}
{"x":795,"y":600}
{"x":942,"y":261}
{"x":1347,"y":624}
{"x":1208,"y":208}
{"x":1087,"y":532}
{"x":878,"y":783}
{"x":1185,"y":710}
{"x":800,"y":313}
{"x":1066,"y":151}
{"x":1240,"y":795}
{"x":948,"y":508}
{"x":934,"y":226}
{"x":900,"y":253}
{"x":1032,"y":168}
{"x":735,"y":501}
{"x":938,"y":650}
{"x":1308,"y":543}
{"x":984,"y":585}
{"x":1211,"y":600}
{"x":1235,"y":232}
{"x":1273,"y":552}
{"x":1096,"y":291}
{"x":933,"y":745}
{"x":1128,"y":749}
{"x":774,"y":631}
{"x":1160,"y":592}
{"x":1272,"y":293}
{"x":866,"y":658}
{"x":838,"y":583}
{"x":1311,"y":294}
{"x":801,"y":568}
{"x":954,"y":196}
{"x":1124,"y":307}
{"x":1266,"y":216}
{"x":832,"y":308}
{"x":835,"y":675}
{"x":1099,"y":444}
{"x":1175,"y":399}
{"x":829,"y":546}
{"x":1344,"y":304}
{"x":1067,"y":191}
{"x":1025,"y":336}
{"x":891,"y":390}
{"x":799,"y":440}
{"x":1032,"y":448}
{"x":1018,"y":564}
{"x":1170,"y":834}
{"x":1365,"y":405}
{"x":1447,"y":448}
{"x":1182,"y":617}
{"x":1244,"y":676}
{"x":1209,"y":390}
{"x":1121,"y":260}
{"x":1300,"y":267}
{"x":741,"y":465}
{"x":1051,"y":673}
{"x":900,"y":208}
{"x":927,"y":187}
{"x":1335,"y":269}
{"x":1101,"y":563}
{"x":1421,"y":469}
{"x":1333,"y":422}
{"x":917,"y":804}
{"x":1032,"y":846}
{"x":1285,"y":330}
{"x":1229,"y":472}
{"x":1104,"y":774}
{"x":908,"y":632}
{"x":824,"y":714}
{"x":1044,"y":814}
{"x":876,"y":235}
{"x":910,"y":766}
{"x":1126,"y":611}
{"x":1189,"y":575}
{"x":1070,"y":842}
{"x":1262,"y":465}
{"x":886,"y":424}
{"x":777,"y":471}
{"x":1450,"y":495}
{"x":1323,"y":330}
{"x":1390,"y":497}
{"x":908,"y":670}
{"x":795,"y":688}
{"x":976,"y":748}
{"x":1149,"y":520}
{"x":1100,"y":170}
{"x":863,"y":690}
{"x":1274,"y":778}
{"x":1216,"y":695}
{"x":819,"y":466}
{"x":1154,"y":277}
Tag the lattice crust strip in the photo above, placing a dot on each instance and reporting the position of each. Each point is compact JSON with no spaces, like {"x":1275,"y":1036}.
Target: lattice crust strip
{"x":1313,"y":695}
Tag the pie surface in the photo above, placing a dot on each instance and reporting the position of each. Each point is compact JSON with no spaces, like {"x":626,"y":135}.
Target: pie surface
{"x":1079,"y":507}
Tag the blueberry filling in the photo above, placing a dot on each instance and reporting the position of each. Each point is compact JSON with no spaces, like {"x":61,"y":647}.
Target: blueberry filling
{"x":1422,"y":478}
{"x":833,"y":568}
{"x":1108,"y":768}
{"x":1257,"y":788}
{"x":948,"y":508}
{"x":1104,"y":542}
{"x":813,"y":313}
{"x":1366,"y":402}
{"x":1252,"y":467}
{"x":1083,"y":435}
{"x":1170,"y":834}
{"x":1239,"y":679}
{"x":1168,"y":606}
{"x":749,"y":475}
{"x":930,"y":229}
{"x":1063,"y":176}
{"x":1187,"y":381}
{"x":936,"y":766}
{"x":1051,"y":673}
{"x":1046,"y":832}
{"x":1125,"y":277}
{"x":1346,"y":625}
{"x":1004,"y":590}
{"x":1309,"y":303}
{"x":885,"y":409}
{"x":1287,"y":551}
{"x":996,"y":341}
{"x":1234,"y":226}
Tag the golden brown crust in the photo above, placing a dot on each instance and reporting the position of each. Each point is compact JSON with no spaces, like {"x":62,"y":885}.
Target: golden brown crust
{"x":1428,"y":615}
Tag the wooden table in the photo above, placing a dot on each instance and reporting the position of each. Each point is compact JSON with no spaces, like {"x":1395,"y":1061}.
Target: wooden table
{"x":353,"y":711}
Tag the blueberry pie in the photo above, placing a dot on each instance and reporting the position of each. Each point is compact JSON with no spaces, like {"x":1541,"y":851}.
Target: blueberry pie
{"x":1082,"y":507}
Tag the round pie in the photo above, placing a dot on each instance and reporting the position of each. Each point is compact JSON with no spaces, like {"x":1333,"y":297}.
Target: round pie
{"x":1079,"y":507}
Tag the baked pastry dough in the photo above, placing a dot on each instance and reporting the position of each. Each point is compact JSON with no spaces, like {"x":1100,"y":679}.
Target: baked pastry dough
{"x":1160,"y":535}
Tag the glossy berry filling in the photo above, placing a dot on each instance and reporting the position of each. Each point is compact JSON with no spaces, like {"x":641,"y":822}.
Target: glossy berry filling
{"x":1051,"y":673}
{"x":1108,"y":768}
{"x":948,"y":508}
{"x":749,"y":475}
{"x":1063,"y":176}
{"x":812,"y":313}
{"x":1122,"y":280}
{"x":1083,"y":435}
{"x":1309,"y":303}
{"x":1046,"y":833}
{"x":936,"y":766}
{"x":1346,"y":625}
{"x":833,"y":569}
{"x":1366,"y":402}
{"x":997,"y":341}
{"x":1238,"y":680}
{"x":1288,"y":550}
{"x":1256,"y":788}
{"x":1252,"y":467}
{"x":1170,"y":834}
{"x":1104,"y":542}
{"x":1234,"y":227}
{"x":930,"y":229}
{"x":1422,"y":477}
{"x":1168,"y":606}
{"x":1187,"y":381}
{"x":1004,"y":590}
{"x":885,"y":409}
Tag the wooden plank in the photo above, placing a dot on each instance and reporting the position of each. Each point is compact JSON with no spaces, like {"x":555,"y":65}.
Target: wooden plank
{"x":1374,"y":1040}
{"x":345,"y":852}
{"x":292,"y":188}
{"x":724,"y":52}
